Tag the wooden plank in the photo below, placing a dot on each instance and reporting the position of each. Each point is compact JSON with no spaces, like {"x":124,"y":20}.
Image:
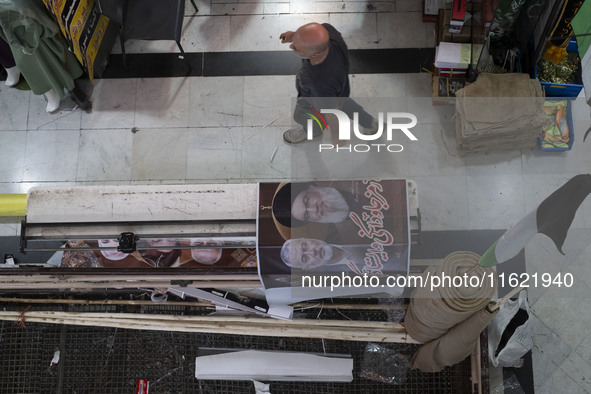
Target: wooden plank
{"x":126,"y":284}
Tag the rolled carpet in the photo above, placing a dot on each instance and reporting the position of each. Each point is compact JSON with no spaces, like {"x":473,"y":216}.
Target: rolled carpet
{"x":432,"y":312}
{"x":455,"y":345}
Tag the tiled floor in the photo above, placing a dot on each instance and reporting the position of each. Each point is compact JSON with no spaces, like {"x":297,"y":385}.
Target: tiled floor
{"x":229,"y":129}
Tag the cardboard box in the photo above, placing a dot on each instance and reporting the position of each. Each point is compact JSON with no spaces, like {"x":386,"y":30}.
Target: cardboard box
{"x":444,"y":25}
{"x":444,"y":89}
{"x":458,"y":12}
{"x":447,"y":87}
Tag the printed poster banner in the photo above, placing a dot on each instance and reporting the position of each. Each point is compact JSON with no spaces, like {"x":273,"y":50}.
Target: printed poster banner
{"x":89,"y":33}
{"x":159,"y":253}
{"x":319,"y":229}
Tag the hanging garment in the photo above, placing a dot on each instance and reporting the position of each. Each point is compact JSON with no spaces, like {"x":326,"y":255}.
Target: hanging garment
{"x":562,"y":31}
{"x":38,"y":51}
{"x":505,"y":18}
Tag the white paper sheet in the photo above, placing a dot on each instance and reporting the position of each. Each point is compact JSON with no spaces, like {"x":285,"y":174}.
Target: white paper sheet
{"x":270,"y":365}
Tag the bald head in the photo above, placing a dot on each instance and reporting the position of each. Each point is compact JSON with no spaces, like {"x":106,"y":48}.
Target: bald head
{"x":309,"y":40}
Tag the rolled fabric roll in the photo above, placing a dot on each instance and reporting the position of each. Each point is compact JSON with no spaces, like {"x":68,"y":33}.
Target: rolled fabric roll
{"x":455,"y":345}
{"x":432,"y":312}
{"x":13,"y":204}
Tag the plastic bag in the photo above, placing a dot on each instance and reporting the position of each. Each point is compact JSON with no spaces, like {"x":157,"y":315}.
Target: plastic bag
{"x":381,"y":364}
{"x":508,"y":337}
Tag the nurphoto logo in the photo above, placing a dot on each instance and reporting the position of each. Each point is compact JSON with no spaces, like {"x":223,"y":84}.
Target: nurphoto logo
{"x":392,"y":123}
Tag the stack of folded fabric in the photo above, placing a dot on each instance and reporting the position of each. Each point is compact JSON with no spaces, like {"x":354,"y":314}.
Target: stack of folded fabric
{"x":499,"y":111}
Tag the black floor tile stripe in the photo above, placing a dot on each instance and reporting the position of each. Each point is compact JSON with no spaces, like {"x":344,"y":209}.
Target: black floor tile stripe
{"x":216,"y":64}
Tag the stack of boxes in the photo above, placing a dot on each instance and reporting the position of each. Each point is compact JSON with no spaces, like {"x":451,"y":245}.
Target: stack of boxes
{"x":453,"y":56}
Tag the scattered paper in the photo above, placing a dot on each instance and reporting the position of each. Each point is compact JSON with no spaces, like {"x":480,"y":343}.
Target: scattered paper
{"x":56,"y":358}
{"x":261,"y":388}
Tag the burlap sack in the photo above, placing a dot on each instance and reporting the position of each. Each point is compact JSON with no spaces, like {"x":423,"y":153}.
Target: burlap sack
{"x":499,"y":111}
{"x":500,"y":98}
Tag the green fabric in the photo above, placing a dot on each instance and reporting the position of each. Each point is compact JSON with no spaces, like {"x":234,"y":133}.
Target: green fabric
{"x":505,"y":18}
{"x":24,"y":23}
{"x":33,"y":37}
{"x":489,"y":258}
{"x":562,"y":31}
{"x":581,"y":24}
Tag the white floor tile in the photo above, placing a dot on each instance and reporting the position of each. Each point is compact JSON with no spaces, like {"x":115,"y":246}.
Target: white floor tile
{"x":264,"y":154}
{"x":105,"y":155}
{"x":419,"y":85}
{"x":214,"y":153}
{"x":68,"y":117}
{"x":580,"y":268}
{"x":276,"y":8}
{"x":237,"y":9}
{"x":494,"y":201}
{"x":202,"y":6}
{"x":358,"y":30}
{"x":113,"y":105}
{"x":207,"y":34}
{"x":8,"y":230}
{"x":15,"y":108}
{"x":268,"y":100}
{"x":261,"y":32}
{"x":162,"y":102}
{"x":579,"y":370}
{"x":159,"y":154}
{"x":10,"y":187}
{"x":146,"y":46}
{"x":216,"y":101}
{"x":584,"y":349}
{"x":443,"y":202}
{"x":51,"y":155}
{"x":393,"y":26}
{"x":561,"y":310}
{"x":559,"y":382}
{"x":426,"y":112}
{"x":12,"y":154}
{"x":494,"y":162}
{"x":302,"y":7}
{"x":355,"y":6}
{"x":378,"y":85}
{"x":408,"y":6}
{"x":309,"y":163}
{"x":549,"y":351}
{"x":434,"y":153}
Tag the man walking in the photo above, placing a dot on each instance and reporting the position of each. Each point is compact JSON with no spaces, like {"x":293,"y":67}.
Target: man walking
{"x":324,"y":73}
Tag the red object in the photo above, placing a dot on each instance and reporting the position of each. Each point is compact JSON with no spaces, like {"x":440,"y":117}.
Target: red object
{"x":142,"y":386}
{"x":455,"y":72}
{"x":458,"y":12}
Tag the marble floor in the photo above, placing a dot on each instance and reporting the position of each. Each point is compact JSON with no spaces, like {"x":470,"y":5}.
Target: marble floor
{"x":229,"y":129}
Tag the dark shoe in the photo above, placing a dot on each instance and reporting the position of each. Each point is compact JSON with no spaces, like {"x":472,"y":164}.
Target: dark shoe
{"x":295,"y":136}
